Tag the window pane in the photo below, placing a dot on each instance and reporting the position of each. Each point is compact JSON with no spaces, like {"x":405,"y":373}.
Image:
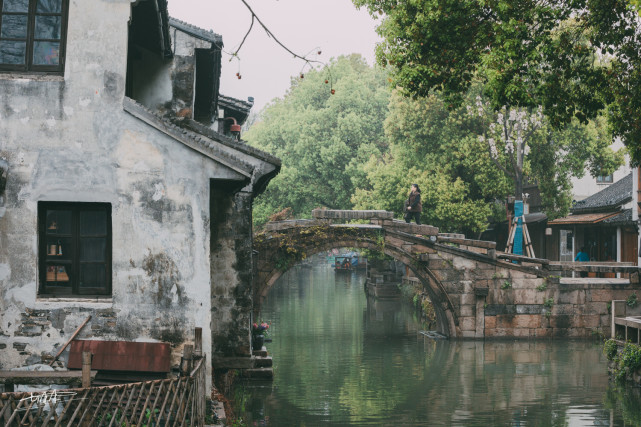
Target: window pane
{"x":46,"y":53}
{"x":49,"y":6}
{"x":14,"y":27}
{"x":58,"y":222}
{"x":47,"y":27}
{"x":93,"y":276}
{"x":93,"y":223}
{"x":92,"y":249}
{"x":12,"y":53}
{"x":58,"y":275}
{"x":15,"y":6}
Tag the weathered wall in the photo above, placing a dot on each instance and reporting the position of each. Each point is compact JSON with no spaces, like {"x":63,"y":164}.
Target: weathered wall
{"x":68,"y":139}
{"x":168,"y":85}
{"x":232,"y":273}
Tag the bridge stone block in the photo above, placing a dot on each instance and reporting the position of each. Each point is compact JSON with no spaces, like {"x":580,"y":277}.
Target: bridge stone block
{"x":469,"y":299}
{"x":351,"y":214}
{"x":521,"y":322}
{"x":468,"y":310}
{"x":570,"y":297}
{"x":292,"y":223}
{"x":499,"y":309}
{"x":421,"y":249}
{"x":529,"y":309}
{"x":527,"y":296}
{"x":543,"y":333}
{"x":423,"y":229}
{"x":526,"y":283}
{"x":467,"y":323}
{"x":460,"y":263}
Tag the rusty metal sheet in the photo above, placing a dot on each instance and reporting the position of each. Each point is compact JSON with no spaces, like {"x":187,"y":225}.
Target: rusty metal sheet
{"x":122,"y":355}
{"x":588,"y":218}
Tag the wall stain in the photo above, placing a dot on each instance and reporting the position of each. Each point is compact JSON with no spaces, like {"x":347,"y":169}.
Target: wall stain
{"x":165,"y":279}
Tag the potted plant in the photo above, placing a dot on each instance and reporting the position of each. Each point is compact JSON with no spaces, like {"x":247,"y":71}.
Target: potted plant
{"x":259,"y":331}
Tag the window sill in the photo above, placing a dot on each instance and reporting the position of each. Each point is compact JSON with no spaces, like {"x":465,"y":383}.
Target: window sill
{"x":94,"y":302}
{"x":13,"y":75}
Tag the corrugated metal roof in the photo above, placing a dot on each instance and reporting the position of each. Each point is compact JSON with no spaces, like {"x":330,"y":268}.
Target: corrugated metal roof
{"x":588,"y":218}
{"x":122,"y":355}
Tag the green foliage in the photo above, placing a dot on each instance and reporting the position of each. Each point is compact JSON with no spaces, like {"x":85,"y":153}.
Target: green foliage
{"x":627,"y":361}
{"x":322,"y":139}
{"x":506,"y":285}
{"x":543,"y":286}
{"x":549,"y":303}
{"x":632,"y":301}
{"x":610,"y":348}
{"x":447,"y":152}
{"x":572,"y":58}
{"x":624,"y":400}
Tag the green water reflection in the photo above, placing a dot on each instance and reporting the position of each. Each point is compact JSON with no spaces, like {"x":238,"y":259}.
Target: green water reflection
{"x":343,"y":360}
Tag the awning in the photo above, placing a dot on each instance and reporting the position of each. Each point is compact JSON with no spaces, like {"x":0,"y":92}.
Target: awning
{"x":588,"y":218}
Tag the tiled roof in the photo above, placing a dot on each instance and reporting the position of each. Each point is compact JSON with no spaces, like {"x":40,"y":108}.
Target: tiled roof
{"x":232,"y":143}
{"x":196,"y":31}
{"x":624,"y":218}
{"x":609,"y":198}
{"x":236,"y":104}
{"x":203,"y":144}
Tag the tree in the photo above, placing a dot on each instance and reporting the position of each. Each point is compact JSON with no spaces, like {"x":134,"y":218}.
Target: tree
{"x":323,"y":139}
{"x":468,"y":157}
{"x":572,"y":58}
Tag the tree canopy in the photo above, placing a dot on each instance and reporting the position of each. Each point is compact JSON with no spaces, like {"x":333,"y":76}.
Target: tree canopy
{"x":446,"y":152}
{"x":572,"y":58}
{"x":323,"y":139}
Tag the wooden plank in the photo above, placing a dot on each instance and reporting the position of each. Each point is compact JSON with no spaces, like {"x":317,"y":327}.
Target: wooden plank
{"x":73,"y":378}
{"x":522,"y":258}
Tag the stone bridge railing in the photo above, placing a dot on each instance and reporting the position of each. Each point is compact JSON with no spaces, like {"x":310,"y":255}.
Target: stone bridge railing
{"x":476,"y":291}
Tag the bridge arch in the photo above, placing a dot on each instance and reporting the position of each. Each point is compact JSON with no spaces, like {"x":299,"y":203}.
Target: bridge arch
{"x":279,"y":250}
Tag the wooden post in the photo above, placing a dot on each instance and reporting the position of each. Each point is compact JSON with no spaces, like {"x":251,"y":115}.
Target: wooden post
{"x":186,"y":365}
{"x":198,"y":342}
{"x":86,"y":369}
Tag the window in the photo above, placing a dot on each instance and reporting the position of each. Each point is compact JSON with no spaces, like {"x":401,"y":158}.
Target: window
{"x":32,"y":35}
{"x":74,"y":248}
{"x":604,"y":179}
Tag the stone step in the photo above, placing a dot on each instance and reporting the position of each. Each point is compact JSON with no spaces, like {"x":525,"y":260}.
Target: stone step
{"x":263,"y":362}
{"x":260,"y":353}
{"x":258,"y":373}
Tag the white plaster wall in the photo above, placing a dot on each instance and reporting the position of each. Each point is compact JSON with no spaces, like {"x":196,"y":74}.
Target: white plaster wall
{"x":586,"y":186}
{"x":68,"y":139}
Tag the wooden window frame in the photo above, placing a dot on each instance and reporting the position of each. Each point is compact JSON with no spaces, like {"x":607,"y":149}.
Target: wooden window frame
{"x":605,"y":179}
{"x":72,"y":261}
{"x":28,"y":66}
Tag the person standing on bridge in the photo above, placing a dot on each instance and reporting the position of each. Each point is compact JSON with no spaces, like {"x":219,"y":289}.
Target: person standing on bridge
{"x":413,"y":207}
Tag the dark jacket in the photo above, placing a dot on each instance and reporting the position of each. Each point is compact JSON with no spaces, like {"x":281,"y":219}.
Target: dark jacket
{"x":415,"y":202}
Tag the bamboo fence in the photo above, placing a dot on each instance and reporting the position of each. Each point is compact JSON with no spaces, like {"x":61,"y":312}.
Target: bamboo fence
{"x":167,"y":402}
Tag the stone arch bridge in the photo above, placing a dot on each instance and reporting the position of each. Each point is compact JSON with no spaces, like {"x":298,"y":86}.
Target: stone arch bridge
{"x":476,"y":291}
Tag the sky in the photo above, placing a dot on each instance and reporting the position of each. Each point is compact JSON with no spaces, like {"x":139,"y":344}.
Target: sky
{"x":335,"y":27}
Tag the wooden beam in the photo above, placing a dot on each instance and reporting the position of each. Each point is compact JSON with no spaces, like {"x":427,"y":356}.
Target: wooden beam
{"x":70,"y":339}
{"x":71,"y":378}
{"x":522,"y":258}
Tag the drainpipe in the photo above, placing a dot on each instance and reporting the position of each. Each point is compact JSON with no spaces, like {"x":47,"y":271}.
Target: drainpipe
{"x":635,"y":206}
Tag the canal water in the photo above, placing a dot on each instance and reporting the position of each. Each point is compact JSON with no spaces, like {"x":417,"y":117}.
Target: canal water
{"x":341,"y":359}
